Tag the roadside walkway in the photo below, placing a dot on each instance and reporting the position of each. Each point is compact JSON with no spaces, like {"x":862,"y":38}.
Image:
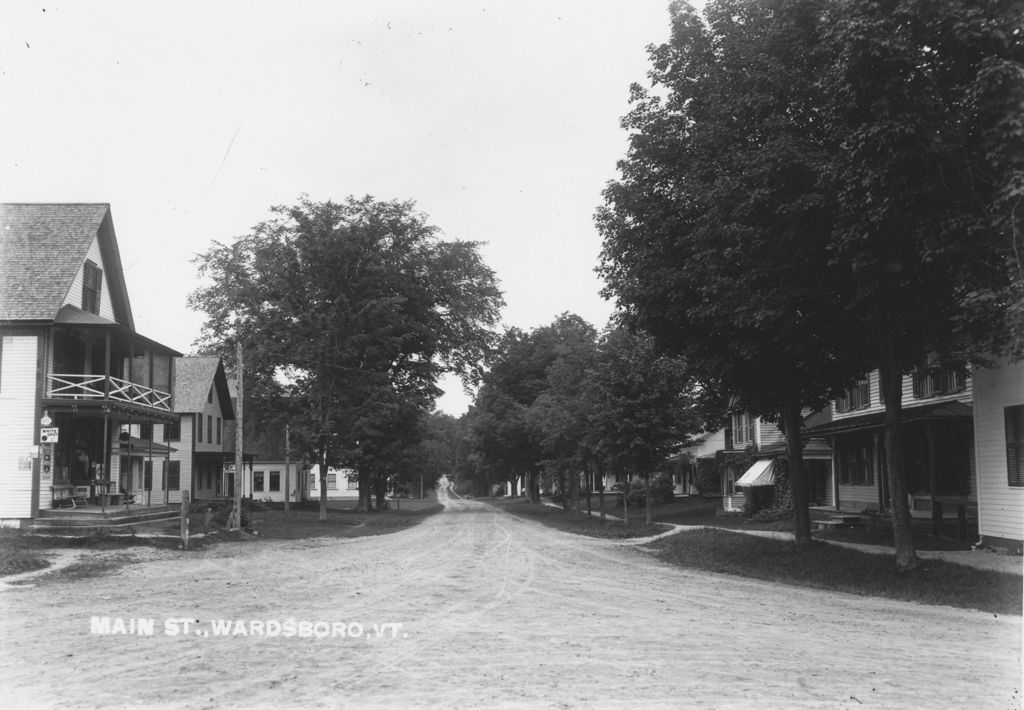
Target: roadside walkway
{"x":978,"y":559}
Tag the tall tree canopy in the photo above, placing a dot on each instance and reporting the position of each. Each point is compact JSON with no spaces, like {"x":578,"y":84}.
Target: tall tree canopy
{"x":355,"y":308}
{"x":817,"y":189}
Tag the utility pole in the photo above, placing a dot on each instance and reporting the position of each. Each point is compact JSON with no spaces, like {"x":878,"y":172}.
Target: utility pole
{"x":287,"y":465}
{"x":239,"y":435}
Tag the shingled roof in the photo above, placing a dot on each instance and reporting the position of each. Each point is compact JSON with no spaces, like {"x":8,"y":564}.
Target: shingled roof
{"x":42,"y":248}
{"x":193,"y":377}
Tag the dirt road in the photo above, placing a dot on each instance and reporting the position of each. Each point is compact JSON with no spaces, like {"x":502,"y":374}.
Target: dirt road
{"x":472,"y":609}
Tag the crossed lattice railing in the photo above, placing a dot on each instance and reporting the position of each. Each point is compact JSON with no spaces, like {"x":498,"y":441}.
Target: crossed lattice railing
{"x":94,"y":387}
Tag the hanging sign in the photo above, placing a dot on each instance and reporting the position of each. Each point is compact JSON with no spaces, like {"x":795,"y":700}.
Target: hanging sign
{"x":48,"y":435}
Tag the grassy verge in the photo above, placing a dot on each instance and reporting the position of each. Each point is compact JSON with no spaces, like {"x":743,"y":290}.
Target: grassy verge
{"x":824,"y":566}
{"x":301,"y":521}
{"x":877,"y":530}
{"x":23,"y":553}
{"x":578,"y":523}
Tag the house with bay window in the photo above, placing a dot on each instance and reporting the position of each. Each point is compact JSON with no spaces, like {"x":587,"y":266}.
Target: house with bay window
{"x":755,"y":449}
{"x":81,"y":391}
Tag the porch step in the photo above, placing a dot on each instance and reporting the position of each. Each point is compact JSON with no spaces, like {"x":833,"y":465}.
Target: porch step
{"x":839,"y":521}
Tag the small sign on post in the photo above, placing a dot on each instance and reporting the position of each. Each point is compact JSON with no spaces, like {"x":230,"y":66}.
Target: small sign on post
{"x":48,"y":435}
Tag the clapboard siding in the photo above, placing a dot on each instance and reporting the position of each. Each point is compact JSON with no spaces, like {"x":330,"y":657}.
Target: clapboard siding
{"x":857,"y":498}
{"x":17,"y":424}
{"x":74,"y":295}
{"x":1000,"y":506}
{"x":909,"y":400}
{"x":768,"y":434}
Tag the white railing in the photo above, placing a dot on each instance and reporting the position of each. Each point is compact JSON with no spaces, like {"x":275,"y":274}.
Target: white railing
{"x":94,"y":387}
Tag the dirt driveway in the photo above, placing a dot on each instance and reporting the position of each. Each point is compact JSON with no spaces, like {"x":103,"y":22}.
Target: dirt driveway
{"x":473,"y":609}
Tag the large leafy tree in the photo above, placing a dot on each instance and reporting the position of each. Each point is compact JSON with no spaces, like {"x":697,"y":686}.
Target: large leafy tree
{"x":510,"y":413}
{"x":826,"y":188}
{"x":716,"y":235}
{"x":643,"y":405}
{"x":924,"y":102}
{"x":352,"y":308}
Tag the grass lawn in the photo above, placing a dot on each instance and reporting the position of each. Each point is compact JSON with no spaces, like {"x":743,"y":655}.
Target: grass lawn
{"x":23,"y":553}
{"x":707,"y":511}
{"x":580,"y":524}
{"x":824,"y":566}
{"x":274,"y":523}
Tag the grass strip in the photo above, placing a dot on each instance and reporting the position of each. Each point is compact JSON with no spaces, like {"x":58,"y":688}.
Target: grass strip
{"x":578,"y":523}
{"x":823,"y":566}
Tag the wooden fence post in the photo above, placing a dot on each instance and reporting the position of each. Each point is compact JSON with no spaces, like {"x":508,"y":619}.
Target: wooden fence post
{"x":184,"y":519}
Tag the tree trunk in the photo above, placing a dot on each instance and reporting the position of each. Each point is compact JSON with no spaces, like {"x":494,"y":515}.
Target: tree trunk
{"x":625,"y":501}
{"x":322,"y":460}
{"x":562,"y":489}
{"x":365,"y":504}
{"x":576,"y":489}
{"x":647,"y":498}
{"x":587,"y":473}
{"x":891,"y":382}
{"x":791,"y":422}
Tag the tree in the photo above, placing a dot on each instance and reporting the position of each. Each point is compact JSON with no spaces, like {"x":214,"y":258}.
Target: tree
{"x":350,"y":308}
{"x":924,"y":102}
{"x":824,"y":191}
{"x":643,"y":406}
{"x":510,"y":412}
{"x":716,"y":236}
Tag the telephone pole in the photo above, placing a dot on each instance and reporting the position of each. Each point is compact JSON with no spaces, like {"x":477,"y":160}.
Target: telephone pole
{"x":239,"y":436}
{"x":287,"y":465}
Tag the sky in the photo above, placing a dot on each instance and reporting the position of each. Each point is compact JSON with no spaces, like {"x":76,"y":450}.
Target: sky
{"x":499,"y":119}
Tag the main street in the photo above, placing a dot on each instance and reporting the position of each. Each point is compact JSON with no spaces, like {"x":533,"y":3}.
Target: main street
{"x":474,"y":608}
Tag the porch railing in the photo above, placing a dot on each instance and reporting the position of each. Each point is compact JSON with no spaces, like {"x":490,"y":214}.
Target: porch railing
{"x":94,"y":387}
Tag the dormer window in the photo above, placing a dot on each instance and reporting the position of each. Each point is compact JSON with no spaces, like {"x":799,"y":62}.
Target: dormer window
{"x":92,"y":287}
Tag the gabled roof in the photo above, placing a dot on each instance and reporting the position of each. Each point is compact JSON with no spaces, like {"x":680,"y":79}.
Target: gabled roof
{"x":42,"y":248}
{"x":193,"y":377}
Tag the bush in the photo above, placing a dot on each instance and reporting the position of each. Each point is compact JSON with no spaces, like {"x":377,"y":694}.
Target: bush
{"x":636,"y":491}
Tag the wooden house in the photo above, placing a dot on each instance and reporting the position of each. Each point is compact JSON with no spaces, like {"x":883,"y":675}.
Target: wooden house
{"x":937,"y":440}
{"x":78,"y":385}
{"x":999,"y":453}
{"x":201,"y":433}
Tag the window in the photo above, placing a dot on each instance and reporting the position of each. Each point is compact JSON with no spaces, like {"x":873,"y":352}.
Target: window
{"x":1014,"y":419}
{"x":332,"y":481}
{"x":353,"y":481}
{"x":742,"y":428}
{"x":146,"y":431}
{"x":257,"y":481}
{"x":856,"y":397}
{"x":92,"y":287}
{"x":199,"y":428}
{"x":275,"y":481}
{"x":218,"y":430}
{"x":147,"y":475}
{"x":312,"y":481}
{"x":854,"y":457}
{"x":933,"y":379}
{"x":172,"y":431}
{"x":172,"y":475}
{"x":209,"y":429}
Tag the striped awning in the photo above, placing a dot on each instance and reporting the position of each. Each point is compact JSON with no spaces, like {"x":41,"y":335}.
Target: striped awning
{"x":760,"y":474}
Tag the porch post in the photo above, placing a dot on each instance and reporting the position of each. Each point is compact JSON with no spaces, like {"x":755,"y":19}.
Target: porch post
{"x":105,"y":458}
{"x":106,"y":368}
